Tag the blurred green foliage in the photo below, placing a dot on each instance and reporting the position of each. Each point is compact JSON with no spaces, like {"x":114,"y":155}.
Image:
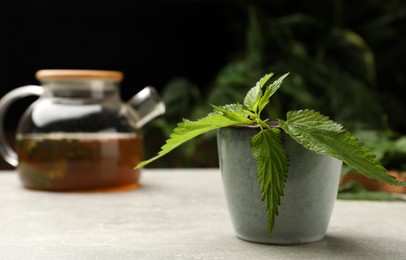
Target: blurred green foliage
{"x":344,"y":58}
{"x":388,"y":146}
{"x":355,"y":191}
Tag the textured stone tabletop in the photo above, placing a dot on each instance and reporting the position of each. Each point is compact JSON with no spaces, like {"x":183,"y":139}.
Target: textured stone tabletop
{"x":176,"y":214}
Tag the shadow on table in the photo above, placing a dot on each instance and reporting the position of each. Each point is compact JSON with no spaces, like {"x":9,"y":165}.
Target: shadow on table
{"x":334,"y":247}
{"x":353,"y":246}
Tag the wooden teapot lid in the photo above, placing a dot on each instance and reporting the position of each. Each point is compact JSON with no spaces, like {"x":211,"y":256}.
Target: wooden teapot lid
{"x":79,"y":74}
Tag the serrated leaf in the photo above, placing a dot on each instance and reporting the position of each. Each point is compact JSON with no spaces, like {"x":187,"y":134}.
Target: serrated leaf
{"x":318,"y":133}
{"x":272,"y":166}
{"x":234,"y":112}
{"x":252,"y":97}
{"x":264,"y":80}
{"x":188,"y":130}
{"x":269,"y":91}
{"x":254,"y":94}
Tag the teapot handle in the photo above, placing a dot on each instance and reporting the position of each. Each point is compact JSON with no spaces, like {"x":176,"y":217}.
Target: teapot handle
{"x":6,"y":151}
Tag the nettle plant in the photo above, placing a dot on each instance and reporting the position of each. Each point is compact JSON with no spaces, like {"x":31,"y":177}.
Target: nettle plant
{"x":309,"y":128}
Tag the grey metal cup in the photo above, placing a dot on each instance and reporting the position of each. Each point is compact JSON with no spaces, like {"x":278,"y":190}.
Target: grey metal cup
{"x":309,"y":195}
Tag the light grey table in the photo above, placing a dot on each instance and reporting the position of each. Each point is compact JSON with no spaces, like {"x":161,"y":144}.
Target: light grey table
{"x":176,"y":214}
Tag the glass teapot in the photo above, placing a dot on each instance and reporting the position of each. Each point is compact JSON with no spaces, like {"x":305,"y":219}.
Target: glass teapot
{"x":79,"y":135}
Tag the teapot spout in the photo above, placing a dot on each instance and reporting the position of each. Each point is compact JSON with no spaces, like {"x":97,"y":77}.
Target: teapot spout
{"x":145,"y":106}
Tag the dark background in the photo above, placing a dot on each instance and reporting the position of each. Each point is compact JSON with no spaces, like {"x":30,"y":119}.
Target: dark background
{"x":150,"y":41}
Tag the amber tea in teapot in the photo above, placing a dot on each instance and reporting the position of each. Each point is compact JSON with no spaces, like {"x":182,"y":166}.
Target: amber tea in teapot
{"x":78,"y":161}
{"x":79,"y":135}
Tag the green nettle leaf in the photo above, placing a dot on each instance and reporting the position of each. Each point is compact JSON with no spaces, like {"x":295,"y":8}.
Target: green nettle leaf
{"x":254,"y":94}
{"x":252,"y":97}
{"x":272,"y":165}
{"x":269,"y":91}
{"x":234,"y":112}
{"x":264,"y":80}
{"x":318,"y":133}
{"x":188,"y":130}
